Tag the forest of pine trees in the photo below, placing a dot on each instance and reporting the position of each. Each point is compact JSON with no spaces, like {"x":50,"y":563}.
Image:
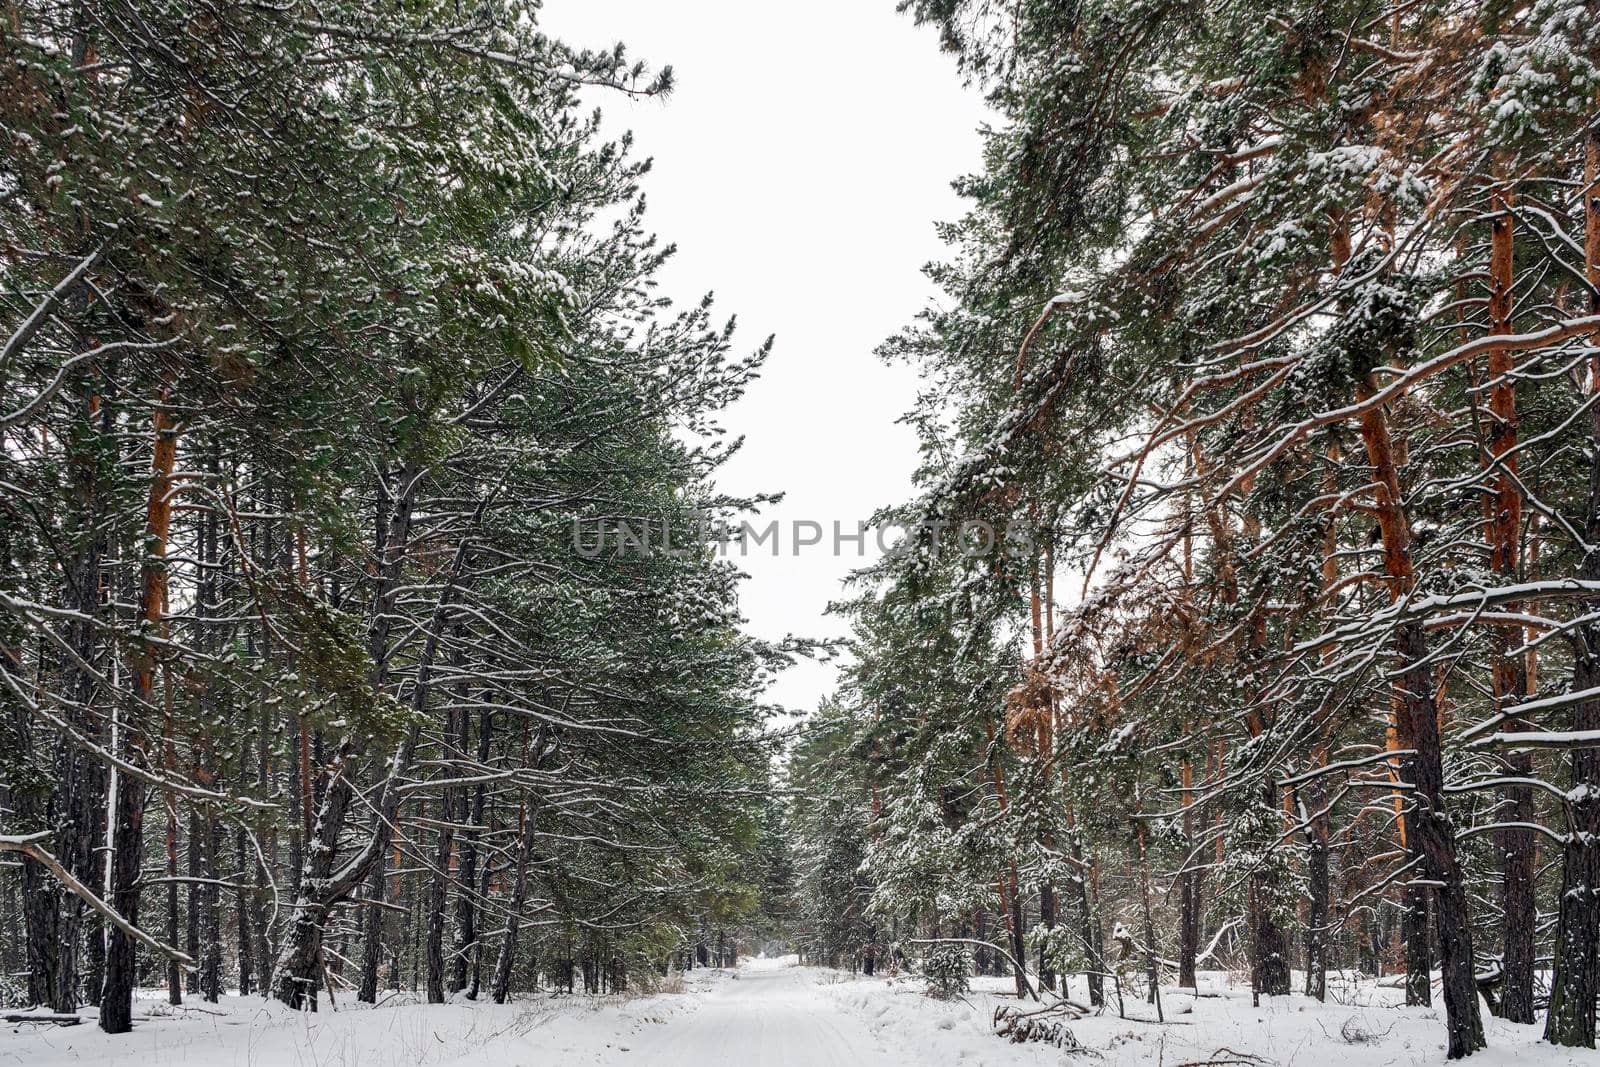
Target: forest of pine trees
{"x":324,"y":328}
{"x":1277,"y":329}
{"x":330,"y":335}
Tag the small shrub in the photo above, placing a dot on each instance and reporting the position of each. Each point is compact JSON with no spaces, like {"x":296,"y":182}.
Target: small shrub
{"x":1355,"y":1031}
{"x":946,"y":968}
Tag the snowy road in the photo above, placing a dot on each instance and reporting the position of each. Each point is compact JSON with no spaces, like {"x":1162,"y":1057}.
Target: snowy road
{"x":771,"y":1016}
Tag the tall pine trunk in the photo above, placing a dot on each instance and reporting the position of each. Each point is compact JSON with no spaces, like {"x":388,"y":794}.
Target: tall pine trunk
{"x":1508,"y":677}
{"x":297,"y":973}
{"x":1188,"y":889}
{"x":439,"y":883}
{"x":1270,"y":962}
{"x":116,"y":1002}
{"x":192,"y":946}
{"x":467,"y":949}
{"x":1317,"y":886}
{"x":1436,"y":838}
{"x":1088,"y":924}
{"x":1429,"y":826}
{"x":211,"y":918}
{"x":54,"y":920}
{"x":541,"y":748}
{"x":1576,"y":980}
{"x":1414,"y":897}
{"x":247,"y":956}
{"x":1394,"y":533}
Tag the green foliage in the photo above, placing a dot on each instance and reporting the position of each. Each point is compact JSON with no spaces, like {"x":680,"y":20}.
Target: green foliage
{"x":945,"y":969}
{"x":390,"y":289}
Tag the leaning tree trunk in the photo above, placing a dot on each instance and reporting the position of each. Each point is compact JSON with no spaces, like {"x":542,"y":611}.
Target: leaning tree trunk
{"x":296,"y":974}
{"x":298,"y":970}
{"x":1394,"y":531}
{"x":500,"y":989}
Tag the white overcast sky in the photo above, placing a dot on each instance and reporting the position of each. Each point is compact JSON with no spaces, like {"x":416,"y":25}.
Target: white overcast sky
{"x":800,"y":165}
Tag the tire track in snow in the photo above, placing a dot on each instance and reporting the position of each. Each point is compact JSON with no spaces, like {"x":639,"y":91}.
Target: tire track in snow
{"x":767,"y":1018}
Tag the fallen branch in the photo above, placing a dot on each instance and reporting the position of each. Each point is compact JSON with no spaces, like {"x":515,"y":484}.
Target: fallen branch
{"x":1022,"y":1027}
{"x":1226,"y":1057}
{"x":57,"y":1020}
{"x":28,"y":845}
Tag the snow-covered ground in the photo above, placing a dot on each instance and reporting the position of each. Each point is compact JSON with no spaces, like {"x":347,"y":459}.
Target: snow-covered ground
{"x":772,"y":1014}
{"x":1359,"y":1026}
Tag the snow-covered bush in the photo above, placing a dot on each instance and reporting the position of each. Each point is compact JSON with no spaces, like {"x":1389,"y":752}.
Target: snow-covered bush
{"x":946,"y":968}
{"x":1061,"y":947}
{"x":1021,"y":1026}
